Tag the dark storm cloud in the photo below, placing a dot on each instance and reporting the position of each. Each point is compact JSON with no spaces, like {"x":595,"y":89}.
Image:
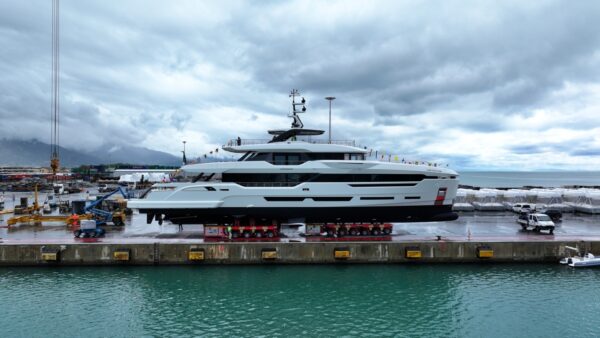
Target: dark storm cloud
{"x":150,"y":73}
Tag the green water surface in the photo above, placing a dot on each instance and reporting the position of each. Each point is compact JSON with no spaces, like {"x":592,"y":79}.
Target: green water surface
{"x":357,"y":300}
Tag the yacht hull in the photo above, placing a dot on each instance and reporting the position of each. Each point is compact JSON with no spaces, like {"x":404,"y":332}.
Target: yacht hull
{"x":308,"y":214}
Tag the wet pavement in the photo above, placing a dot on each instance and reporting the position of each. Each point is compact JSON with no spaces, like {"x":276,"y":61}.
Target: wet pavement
{"x":483,"y":226}
{"x":488,"y":226}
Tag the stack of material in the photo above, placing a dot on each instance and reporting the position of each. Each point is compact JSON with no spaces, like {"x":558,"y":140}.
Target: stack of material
{"x":552,"y":199}
{"x":590,"y":203}
{"x":512,"y":196}
{"x":461,"y":203}
{"x":531,"y":196}
{"x":572,"y":197}
{"x":487,"y":200}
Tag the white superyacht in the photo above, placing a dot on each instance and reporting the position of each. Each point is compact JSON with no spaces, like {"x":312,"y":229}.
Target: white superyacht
{"x":295,"y":178}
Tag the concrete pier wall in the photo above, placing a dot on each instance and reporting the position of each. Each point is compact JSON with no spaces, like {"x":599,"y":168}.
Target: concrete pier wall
{"x":286,"y":253}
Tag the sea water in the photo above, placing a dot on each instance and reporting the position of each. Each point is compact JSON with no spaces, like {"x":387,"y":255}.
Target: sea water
{"x":497,"y":179}
{"x":328,"y":300}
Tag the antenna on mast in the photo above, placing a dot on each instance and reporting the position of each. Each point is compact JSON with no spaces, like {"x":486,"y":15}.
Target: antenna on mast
{"x":297,"y":122}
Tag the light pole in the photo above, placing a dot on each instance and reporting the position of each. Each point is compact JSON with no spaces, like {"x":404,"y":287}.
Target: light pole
{"x":184,"y":158}
{"x":330,"y":98}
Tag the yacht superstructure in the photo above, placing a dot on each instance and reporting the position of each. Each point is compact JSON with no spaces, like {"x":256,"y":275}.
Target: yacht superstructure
{"x":293,"y":177}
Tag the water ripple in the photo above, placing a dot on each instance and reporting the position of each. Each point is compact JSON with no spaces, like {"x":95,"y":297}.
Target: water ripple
{"x":382,"y":300}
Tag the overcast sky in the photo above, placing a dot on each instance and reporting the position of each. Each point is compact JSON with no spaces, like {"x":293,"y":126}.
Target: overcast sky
{"x":511,"y":85}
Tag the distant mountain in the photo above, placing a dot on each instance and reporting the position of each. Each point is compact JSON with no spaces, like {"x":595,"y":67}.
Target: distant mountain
{"x":36,"y":153}
{"x":136,"y":155}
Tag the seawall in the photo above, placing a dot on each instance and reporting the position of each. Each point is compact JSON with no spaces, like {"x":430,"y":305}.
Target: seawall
{"x":179,"y":253}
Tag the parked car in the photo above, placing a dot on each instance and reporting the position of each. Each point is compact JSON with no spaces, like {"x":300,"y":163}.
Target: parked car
{"x":523,"y":207}
{"x":103,"y":188}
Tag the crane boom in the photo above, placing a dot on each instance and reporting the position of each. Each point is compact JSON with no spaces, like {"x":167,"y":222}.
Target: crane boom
{"x":55,"y":103}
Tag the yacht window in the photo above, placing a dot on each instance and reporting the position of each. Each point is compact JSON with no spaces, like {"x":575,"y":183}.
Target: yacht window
{"x":332,"y":199}
{"x":367,"y":178}
{"x":292,"y":179}
{"x":259,"y":157}
{"x":293,"y":159}
{"x":279,"y":159}
{"x":243,"y":158}
{"x":357,"y":157}
{"x":325,"y":156}
{"x":287,"y":159}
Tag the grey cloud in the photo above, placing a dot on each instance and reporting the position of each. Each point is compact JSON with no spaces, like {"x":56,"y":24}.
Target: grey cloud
{"x":586,"y":152}
{"x":575,"y":148}
{"x":406,"y":64}
{"x":528,"y":149}
{"x":517,"y":56}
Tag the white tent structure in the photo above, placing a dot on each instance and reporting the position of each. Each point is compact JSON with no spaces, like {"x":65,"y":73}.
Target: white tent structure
{"x":573,"y":196}
{"x":552,"y":199}
{"x":590,"y":203}
{"x":487,"y":200}
{"x":511,"y":196}
{"x":461,"y":203}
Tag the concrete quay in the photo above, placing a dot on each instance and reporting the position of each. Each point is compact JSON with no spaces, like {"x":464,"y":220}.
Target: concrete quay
{"x":182,"y":252}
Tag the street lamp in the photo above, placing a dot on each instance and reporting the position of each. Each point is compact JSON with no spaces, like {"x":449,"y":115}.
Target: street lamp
{"x":330,"y":98}
{"x":184,"y":158}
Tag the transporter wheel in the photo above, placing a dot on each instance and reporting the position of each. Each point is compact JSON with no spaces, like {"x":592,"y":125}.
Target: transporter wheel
{"x":270,"y":234}
{"x":376,"y":232}
{"x":235,"y":234}
{"x":387,"y":231}
{"x":258,"y":234}
{"x":353,"y":232}
{"x":77,"y":233}
{"x":330,"y":232}
{"x":364,"y":232}
{"x":342,"y":232}
{"x":247,"y":234}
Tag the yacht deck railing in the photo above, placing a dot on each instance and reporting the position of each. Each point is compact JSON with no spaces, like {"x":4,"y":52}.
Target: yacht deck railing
{"x":243,"y":142}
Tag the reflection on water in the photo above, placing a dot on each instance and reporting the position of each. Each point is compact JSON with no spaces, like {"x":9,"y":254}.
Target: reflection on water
{"x":433,"y":300}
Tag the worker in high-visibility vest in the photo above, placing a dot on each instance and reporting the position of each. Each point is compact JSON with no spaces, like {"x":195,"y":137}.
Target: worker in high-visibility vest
{"x":229,"y":231}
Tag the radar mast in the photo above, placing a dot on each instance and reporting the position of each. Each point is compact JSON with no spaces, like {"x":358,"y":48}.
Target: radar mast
{"x":297,"y":123}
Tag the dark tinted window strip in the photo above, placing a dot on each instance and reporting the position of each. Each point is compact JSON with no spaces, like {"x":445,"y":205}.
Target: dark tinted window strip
{"x":331,"y":199}
{"x":295,"y":178}
{"x":377,"y":198}
{"x":383,"y":185}
{"x":284,"y":199}
{"x":368,"y":178}
{"x":412,"y":197}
